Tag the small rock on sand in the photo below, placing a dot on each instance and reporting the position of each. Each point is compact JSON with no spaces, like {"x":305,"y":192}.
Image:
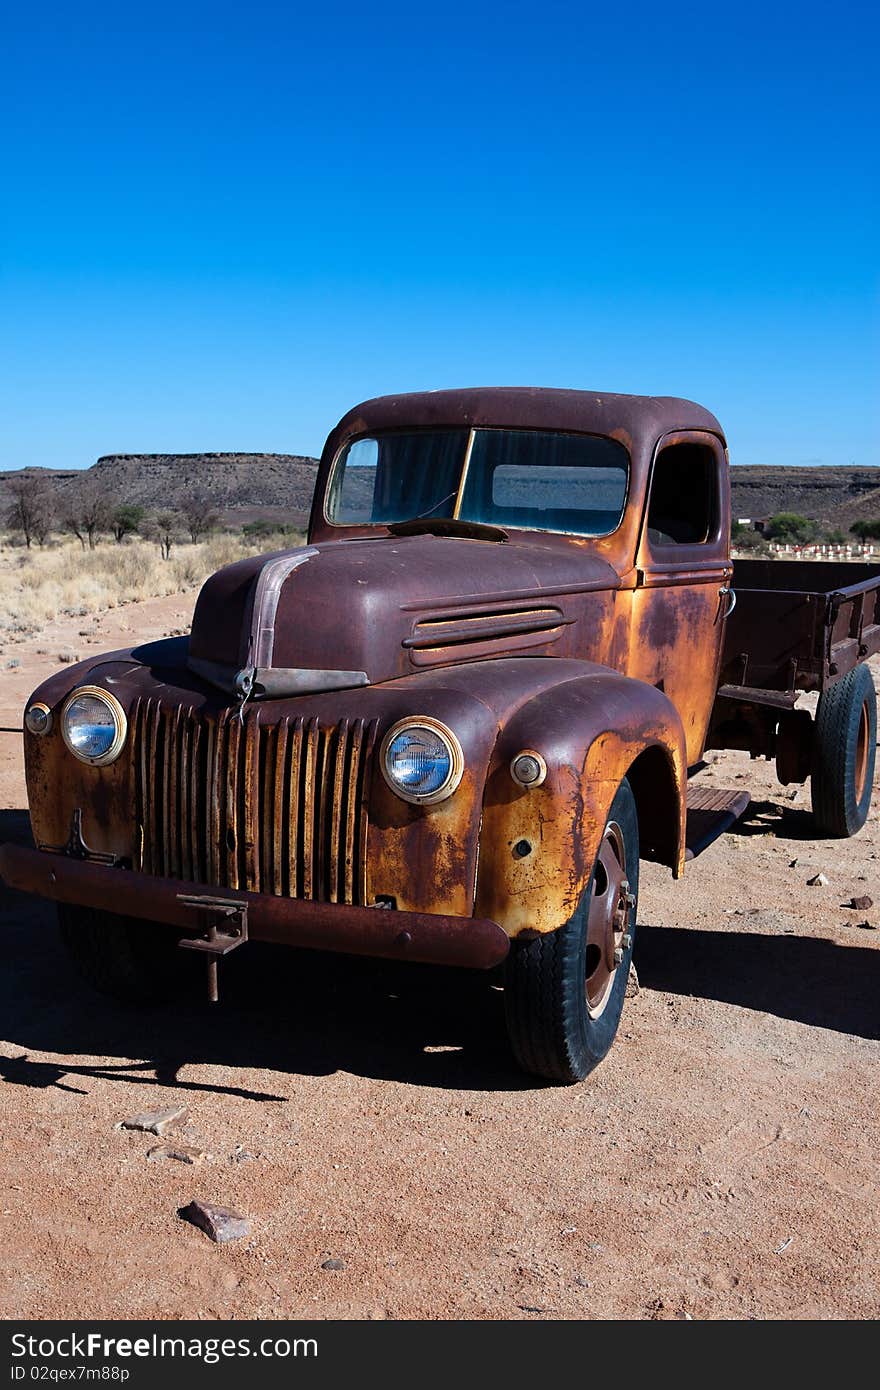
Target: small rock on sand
{"x":158,"y":1121}
{"x":818,"y":881}
{"x":184,"y":1153}
{"x":220,"y":1223}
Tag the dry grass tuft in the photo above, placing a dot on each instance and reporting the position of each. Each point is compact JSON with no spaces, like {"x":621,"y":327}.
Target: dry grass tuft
{"x":37,"y":586}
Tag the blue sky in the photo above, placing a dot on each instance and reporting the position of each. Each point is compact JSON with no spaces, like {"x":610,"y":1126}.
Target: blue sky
{"x":222,"y":225}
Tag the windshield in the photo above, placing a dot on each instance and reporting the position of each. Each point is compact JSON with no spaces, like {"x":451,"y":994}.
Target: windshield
{"x":527,"y":479}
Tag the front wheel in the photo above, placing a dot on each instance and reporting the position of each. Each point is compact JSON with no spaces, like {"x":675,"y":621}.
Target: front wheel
{"x":136,"y":962}
{"x":564,"y":991}
{"x":844,"y":750}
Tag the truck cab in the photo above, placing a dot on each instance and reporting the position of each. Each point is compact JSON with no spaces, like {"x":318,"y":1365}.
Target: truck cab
{"x":447,"y":728}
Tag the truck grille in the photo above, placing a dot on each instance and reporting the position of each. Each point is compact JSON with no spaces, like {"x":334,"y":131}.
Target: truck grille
{"x":279,"y":808}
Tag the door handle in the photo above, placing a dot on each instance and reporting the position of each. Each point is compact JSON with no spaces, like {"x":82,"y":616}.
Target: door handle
{"x":728,"y":592}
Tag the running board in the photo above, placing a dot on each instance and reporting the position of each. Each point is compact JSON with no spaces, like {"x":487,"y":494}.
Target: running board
{"x":710,"y":812}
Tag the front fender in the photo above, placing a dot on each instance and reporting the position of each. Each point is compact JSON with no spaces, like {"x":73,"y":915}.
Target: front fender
{"x":538,"y":845}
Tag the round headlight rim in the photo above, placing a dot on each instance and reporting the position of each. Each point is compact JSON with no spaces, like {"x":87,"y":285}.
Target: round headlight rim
{"x":120,"y":720}
{"x":456,"y":764}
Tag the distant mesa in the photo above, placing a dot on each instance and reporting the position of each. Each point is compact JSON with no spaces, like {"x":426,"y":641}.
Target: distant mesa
{"x":836,"y":496}
{"x":278,"y":487}
{"x":242,"y":487}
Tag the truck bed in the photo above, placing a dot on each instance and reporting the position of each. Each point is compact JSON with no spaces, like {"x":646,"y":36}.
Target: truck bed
{"x":798,"y":625}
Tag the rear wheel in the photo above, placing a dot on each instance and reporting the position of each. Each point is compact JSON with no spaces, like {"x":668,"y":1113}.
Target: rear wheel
{"x":564,"y":991}
{"x":844,"y":752}
{"x":137,"y":962}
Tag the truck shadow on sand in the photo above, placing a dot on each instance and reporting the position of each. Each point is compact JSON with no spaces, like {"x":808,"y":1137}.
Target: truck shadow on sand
{"x":287,"y":1012}
{"x":281,"y":1011}
{"x":803,"y":978}
{"x":775,"y":818}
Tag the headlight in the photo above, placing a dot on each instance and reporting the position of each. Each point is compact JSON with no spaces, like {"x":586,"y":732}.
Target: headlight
{"x":93,"y":725}
{"x":421,"y":760}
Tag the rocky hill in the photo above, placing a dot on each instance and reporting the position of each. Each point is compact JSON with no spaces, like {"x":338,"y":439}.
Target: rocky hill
{"x":837,"y":496}
{"x":241,"y":487}
{"x":278,"y":487}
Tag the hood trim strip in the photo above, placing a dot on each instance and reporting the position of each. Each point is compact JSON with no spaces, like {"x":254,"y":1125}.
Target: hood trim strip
{"x":275,"y":682}
{"x":264,"y":604}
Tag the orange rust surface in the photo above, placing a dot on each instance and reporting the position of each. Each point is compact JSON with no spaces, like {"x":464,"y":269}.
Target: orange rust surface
{"x":539,"y":844}
{"x":601,"y":654}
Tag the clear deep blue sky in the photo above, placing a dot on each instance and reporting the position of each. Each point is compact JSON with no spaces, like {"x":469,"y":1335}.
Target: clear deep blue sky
{"x":223,"y":224}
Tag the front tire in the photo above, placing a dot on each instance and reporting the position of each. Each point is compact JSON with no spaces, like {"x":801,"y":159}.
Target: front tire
{"x":564,"y":991}
{"x":844,"y":752}
{"x":135,"y":962}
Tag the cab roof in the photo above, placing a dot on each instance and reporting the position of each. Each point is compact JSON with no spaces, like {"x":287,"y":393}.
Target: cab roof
{"x":632,"y":419}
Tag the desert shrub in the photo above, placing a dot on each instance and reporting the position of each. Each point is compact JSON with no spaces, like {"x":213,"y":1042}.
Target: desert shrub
{"x":866,"y":530}
{"x":790,"y":528}
{"x":751,"y":543}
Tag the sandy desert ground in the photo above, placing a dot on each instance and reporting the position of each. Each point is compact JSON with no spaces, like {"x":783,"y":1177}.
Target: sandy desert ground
{"x":722,"y":1163}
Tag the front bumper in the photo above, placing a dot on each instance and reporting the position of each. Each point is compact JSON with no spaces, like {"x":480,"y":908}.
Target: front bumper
{"x":362,"y":931}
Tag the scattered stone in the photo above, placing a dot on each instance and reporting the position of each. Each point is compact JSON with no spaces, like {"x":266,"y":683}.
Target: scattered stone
{"x":793,"y":796}
{"x":867,"y":926}
{"x":792,"y":863}
{"x":158,"y":1122}
{"x":861,"y":904}
{"x":241,"y":1155}
{"x":184,"y":1153}
{"x":632,"y":983}
{"x":818,"y":881}
{"x":333,"y":1264}
{"x":219,"y":1223}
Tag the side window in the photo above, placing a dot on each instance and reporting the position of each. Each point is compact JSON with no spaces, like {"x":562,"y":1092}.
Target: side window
{"x":684,"y":505}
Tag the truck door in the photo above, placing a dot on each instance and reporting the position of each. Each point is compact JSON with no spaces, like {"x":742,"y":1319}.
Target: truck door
{"x":684,"y":571}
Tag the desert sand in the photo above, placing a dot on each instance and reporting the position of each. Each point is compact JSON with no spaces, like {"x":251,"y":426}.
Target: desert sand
{"x":722,"y":1163}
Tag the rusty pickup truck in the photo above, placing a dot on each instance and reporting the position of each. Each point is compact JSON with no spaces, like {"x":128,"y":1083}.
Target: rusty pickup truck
{"x":448,"y":727}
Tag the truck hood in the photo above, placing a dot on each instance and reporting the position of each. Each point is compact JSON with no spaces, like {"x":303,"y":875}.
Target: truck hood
{"x":361,"y":611}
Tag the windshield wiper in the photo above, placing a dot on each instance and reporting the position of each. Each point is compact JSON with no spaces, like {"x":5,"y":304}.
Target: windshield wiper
{"x":447,"y":526}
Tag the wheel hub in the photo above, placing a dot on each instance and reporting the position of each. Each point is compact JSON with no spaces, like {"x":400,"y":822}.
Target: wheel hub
{"x":610,"y":911}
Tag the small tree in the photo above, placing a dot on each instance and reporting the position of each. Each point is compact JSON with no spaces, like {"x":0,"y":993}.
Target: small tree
{"x":835,"y":536}
{"x":88,"y":511}
{"x":790,"y":528}
{"x":165,"y":528}
{"x":29,"y":511}
{"x":866,"y":530}
{"x":198,"y":515}
{"x":126,"y":521}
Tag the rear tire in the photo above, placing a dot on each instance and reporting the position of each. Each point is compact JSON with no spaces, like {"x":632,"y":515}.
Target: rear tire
{"x":844,"y":753}
{"x":556,"y":1029}
{"x":136,"y":962}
